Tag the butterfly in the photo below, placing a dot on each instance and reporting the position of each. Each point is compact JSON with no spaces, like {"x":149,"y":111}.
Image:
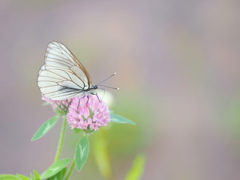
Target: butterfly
{"x":63,"y":76}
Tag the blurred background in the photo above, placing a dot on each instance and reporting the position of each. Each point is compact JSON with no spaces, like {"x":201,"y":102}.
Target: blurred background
{"x":177,"y":65}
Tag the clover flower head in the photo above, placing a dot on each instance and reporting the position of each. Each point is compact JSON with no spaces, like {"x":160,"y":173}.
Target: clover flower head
{"x":60,"y":106}
{"x":88,"y":113}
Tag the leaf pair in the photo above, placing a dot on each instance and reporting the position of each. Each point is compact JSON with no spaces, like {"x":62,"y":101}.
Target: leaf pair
{"x":45,"y":127}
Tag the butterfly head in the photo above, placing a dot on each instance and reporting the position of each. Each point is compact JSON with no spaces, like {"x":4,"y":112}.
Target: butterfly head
{"x":94,"y":86}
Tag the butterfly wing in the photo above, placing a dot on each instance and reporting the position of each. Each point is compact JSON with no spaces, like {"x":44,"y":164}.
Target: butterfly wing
{"x":62,"y":76}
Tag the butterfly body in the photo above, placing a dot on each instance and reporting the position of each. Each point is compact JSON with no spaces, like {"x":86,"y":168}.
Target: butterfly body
{"x":90,"y":90}
{"x":63,"y":76}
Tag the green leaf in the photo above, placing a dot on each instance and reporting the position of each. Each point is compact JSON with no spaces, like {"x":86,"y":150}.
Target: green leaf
{"x":23,"y":177}
{"x":137,"y":168}
{"x":37,"y":176}
{"x":45,"y":128}
{"x":119,"y":119}
{"x":102,"y":155}
{"x":55,"y":168}
{"x":9,"y":177}
{"x":59,"y":175}
{"x":82,"y":150}
{"x":31,"y":176}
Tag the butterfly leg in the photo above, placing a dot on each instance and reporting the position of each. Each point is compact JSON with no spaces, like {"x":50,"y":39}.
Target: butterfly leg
{"x":87,"y":99}
{"x":69,"y":102}
{"x":95,"y":93}
{"x":79,"y":103}
{"x":98,"y":97}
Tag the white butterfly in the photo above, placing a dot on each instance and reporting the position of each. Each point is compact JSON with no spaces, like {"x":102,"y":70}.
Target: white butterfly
{"x":63,"y":76}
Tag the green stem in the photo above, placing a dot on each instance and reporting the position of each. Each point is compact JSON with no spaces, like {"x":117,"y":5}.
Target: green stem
{"x":70,"y":170}
{"x":72,"y":165}
{"x":60,"y":142}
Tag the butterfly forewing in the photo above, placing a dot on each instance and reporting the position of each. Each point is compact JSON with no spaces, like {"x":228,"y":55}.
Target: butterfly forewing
{"x":62,"y":76}
{"x":60,"y":54}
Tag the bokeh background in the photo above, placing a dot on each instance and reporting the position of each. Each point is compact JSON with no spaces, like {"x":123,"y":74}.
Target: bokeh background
{"x":178,"y":73}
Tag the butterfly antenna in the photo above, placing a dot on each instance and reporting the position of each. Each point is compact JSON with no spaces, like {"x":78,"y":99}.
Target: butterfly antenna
{"x":107,"y":78}
{"x":109,"y":87}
